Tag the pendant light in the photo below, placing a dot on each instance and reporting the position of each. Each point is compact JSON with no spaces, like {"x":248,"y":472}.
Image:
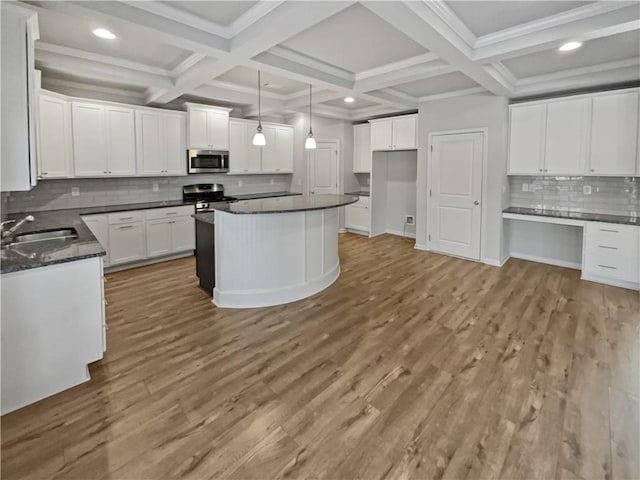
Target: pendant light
{"x":258,"y":138}
{"x":310,"y":143}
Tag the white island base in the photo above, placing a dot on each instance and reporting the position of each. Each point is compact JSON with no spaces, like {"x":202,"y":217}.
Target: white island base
{"x":274,"y":258}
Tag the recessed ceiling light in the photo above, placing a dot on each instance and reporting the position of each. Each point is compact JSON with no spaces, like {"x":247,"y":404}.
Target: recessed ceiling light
{"x":349,"y":99}
{"x":104,"y":33}
{"x":570,"y":46}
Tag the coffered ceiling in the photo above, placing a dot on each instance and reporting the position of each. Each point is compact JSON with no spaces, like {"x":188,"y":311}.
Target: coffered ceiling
{"x":389,"y":56}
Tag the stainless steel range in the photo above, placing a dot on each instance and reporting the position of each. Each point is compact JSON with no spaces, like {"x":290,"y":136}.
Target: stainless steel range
{"x":204,"y":194}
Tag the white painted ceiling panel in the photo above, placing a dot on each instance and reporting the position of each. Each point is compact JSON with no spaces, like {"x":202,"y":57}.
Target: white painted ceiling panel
{"x":593,"y":52}
{"x":130,"y":43}
{"x":248,"y":77}
{"x":355,"y":40}
{"x":487,"y":17}
{"x":223,"y":13}
{"x":436,"y":85}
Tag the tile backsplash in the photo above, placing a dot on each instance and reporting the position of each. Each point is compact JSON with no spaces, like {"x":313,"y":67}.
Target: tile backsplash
{"x":56,"y":194}
{"x":605,"y":195}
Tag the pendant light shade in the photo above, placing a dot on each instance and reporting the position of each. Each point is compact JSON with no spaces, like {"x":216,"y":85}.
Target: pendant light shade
{"x":258,"y":138}
{"x":310,"y":143}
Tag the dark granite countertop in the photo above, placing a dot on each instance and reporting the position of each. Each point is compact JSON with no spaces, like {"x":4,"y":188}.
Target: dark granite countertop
{"x":301,"y":203}
{"x":590,"y":217}
{"x":361,"y":193}
{"x":39,"y":254}
{"x":250,"y":196}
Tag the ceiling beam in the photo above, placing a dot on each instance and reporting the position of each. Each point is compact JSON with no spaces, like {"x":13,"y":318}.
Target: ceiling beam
{"x":276,"y":26}
{"x":423,"y":24}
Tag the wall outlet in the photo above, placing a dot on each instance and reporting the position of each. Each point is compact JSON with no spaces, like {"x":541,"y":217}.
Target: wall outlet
{"x":75,"y":191}
{"x":271,"y":181}
{"x":409,"y":219}
{"x":368,"y":180}
{"x":633,"y":214}
{"x":240,"y":183}
{"x":156,"y":187}
{"x":586,"y":189}
{"x":299,"y":181}
{"x":525,"y":187}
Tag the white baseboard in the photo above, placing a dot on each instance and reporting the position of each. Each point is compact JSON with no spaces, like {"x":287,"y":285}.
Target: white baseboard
{"x":548,"y":261}
{"x":342,"y":230}
{"x":358,"y":232}
{"x":421,"y":247}
{"x":494,"y":262}
{"x":148,"y":261}
{"x":610,"y":281}
{"x":400,"y":233}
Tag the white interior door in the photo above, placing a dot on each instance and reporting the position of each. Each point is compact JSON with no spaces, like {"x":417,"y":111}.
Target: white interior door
{"x":456,"y":188}
{"x":323,"y":168}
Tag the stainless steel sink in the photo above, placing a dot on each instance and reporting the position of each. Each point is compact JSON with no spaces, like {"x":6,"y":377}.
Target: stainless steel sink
{"x":55,"y":234}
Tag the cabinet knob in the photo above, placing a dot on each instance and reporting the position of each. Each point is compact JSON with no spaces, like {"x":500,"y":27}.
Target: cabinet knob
{"x":592,"y":170}
{"x":106,"y":171}
{"x":476,"y":202}
{"x":541,"y":170}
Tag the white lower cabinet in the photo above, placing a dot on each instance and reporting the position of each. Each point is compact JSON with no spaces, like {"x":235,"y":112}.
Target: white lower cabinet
{"x":611,"y":254}
{"x":357,"y":216}
{"x":142,"y":234}
{"x":126,"y":243}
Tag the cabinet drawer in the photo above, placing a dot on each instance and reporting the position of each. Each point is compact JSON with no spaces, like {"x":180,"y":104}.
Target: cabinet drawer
{"x":126,"y":217}
{"x":158,"y":213}
{"x":609,"y":236}
{"x":362,"y":202}
{"x":609,"y":264}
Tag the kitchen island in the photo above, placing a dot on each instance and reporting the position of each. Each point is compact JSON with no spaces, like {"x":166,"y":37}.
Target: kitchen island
{"x":270,"y":251}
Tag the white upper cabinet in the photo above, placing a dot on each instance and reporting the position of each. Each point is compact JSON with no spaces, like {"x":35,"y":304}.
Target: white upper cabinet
{"x":121,"y":141}
{"x":208,"y":127}
{"x":104,"y":141}
{"x":275,"y":157}
{"x":395,"y":133}
{"x":160,"y":142}
{"x":382,"y":134}
{"x":594,"y":134}
{"x":566,"y":137}
{"x":614,"y":134}
{"x":362,"y":148}
{"x":526,"y":139}
{"x":17,"y":95}
{"x":89,"y":140}
{"x":55,"y":157}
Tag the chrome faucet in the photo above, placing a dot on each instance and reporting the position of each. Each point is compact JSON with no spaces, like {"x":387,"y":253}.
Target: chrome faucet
{"x":18,"y":225}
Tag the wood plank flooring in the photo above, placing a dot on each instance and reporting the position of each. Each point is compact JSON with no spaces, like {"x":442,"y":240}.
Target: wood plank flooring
{"x":412,"y":365}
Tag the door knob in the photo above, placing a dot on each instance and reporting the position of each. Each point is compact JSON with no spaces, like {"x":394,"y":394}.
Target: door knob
{"x":476,"y":202}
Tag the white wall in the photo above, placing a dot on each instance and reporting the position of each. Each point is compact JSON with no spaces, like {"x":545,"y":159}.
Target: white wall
{"x":472,"y":111}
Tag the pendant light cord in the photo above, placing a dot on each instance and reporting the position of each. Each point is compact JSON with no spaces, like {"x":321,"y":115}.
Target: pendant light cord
{"x":259,"y":107}
{"x":310,"y":130}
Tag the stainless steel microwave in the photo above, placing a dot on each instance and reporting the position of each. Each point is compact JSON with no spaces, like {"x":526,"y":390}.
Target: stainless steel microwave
{"x":207,"y":161}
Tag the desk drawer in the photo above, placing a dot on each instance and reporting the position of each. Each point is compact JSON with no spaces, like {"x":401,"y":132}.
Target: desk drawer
{"x":158,"y":213}
{"x":607,"y":235}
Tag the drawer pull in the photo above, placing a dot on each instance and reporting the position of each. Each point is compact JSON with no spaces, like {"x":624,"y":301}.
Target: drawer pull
{"x":171,"y":213}
{"x":126,"y":227}
{"x":126,"y":218}
{"x":610,"y":231}
{"x":610,"y":248}
{"x":607,"y":266}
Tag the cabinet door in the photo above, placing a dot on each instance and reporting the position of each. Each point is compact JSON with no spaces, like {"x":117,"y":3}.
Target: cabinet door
{"x":284,"y":149}
{"x":526,"y":139}
{"x":357,"y":217}
{"x":362,"y":148}
{"x":404,"y":133}
{"x":566,"y":137}
{"x":89,"y":140}
{"x":198,"y":136}
{"x":218,"y":130}
{"x":151,"y":140}
{"x":382,"y":135}
{"x":121,"y":141}
{"x":183,"y":234}
{"x":126,"y":243}
{"x":175,"y":153}
{"x":614,"y":134}
{"x":158,"y":237}
{"x":238,"y":147}
{"x":270,"y":150}
{"x":54,"y":138}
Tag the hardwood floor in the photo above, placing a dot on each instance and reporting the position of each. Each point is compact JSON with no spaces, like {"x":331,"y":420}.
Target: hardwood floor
{"x":412,"y":365}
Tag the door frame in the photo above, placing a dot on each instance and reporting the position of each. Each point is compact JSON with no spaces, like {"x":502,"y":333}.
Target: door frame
{"x":483,"y":187}
{"x":339,"y":187}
